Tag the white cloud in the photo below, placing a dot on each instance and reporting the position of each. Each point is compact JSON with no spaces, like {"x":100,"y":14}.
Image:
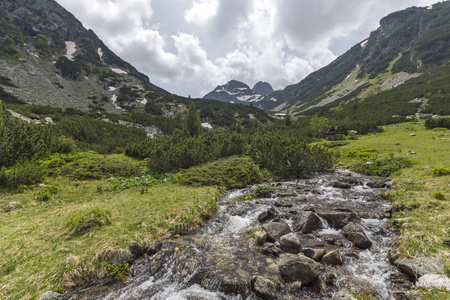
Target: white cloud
{"x":201,"y":11}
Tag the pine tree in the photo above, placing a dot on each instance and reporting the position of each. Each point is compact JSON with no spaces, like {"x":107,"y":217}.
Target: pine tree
{"x":192,"y":122}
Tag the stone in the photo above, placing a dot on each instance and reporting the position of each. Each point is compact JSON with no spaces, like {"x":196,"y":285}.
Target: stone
{"x":338,"y":219}
{"x":307,"y":222}
{"x":285,"y":193}
{"x":52,"y":296}
{"x":360,"y":286}
{"x":295,"y":286}
{"x":261,"y":237}
{"x":117,"y":257}
{"x":315,"y":254}
{"x":446,"y":242}
{"x":290,"y":243}
{"x":340,"y":184}
{"x":434,"y":281}
{"x":298,"y":268}
{"x":267,"y":215}
{"x":355,"y":234}
{"x":343,"y":295}
{"x":419,"y":267}
{"x":333,"y":258}
{"x":275,"y":230}
{"x":283,"y":202}
{"x":406,"y":295}
{"x":153,"y":247}
{"x":265,"y":288}
{"x":377,"y":184}
{"x":135,"y":249}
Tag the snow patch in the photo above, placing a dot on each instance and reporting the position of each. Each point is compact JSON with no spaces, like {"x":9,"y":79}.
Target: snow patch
{"x":119,"y":71}
{"x":100,"y":53}
{"x":112,"y":89}
{"x":71,"y":49}
{"x":207,"y":125}
{"x":364,"y":44}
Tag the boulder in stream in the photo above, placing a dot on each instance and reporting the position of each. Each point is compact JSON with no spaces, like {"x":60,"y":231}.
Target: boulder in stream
{"x":313,"y":253}
{"x":298,"y":268}
{"x":265,"y":288}
{"x":333,"y":258}
{"x":355,"y":234}
{"x":419,"y":267}
{"x":275,"y":230}
{"x":343,"y":295}
{"x":290,"y":243}
{"x":52,"y":296}
{"x":307,"y":222}
{"x":267,"y":215}
{"x":338,"y":219}
{"x":261,"y":237}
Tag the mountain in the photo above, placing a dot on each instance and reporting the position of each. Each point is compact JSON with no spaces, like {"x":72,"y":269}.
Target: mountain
{"x":238,"y":92}
{"x":410,"y":46}
{"x":48,"y":58}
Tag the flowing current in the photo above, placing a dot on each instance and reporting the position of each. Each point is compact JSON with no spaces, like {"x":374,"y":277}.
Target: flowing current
{"x":221,"y":259}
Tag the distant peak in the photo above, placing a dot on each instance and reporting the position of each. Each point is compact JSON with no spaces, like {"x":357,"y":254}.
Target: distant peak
{"x":262,"y":88}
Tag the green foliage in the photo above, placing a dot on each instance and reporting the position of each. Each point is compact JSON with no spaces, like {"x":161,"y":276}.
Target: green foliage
{"x":152,"y":108}
{"x":7,"y":268}
{"x":82,"y":222}
{"x":437,"y":123}
{"x":68,"y":68}
{"x":145,"y":181}
{"x":232,"y":172}
{"x":46,"y":192}
{"x":359,"y":152}
{"x":439,"y":195}
{"x":381,"y":167}
{"x":42,"y":44}
{"x":289,"y":156}
{"x":8,"y":49}
{"x":9,"y":98}
{"x":192,"y":123}
{"x":23,"y":173}
{"x":440,"y":171}
{"x":351,"y":135}
{"x":118,"y":272}
{"x":318,"y":125}
{"x":263,"y":190}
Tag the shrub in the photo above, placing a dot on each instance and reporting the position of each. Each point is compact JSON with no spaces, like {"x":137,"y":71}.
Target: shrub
{"x":439,"y":195}
{"x":81,"y":222}
{"x":438,"y":122}
{"x":24,"y":173}
{"x":440,"y":171}
{"x":263,"y":190}
{"x":45,"y":193}
{"x":381,"y":167}
{"x":233,"y":172}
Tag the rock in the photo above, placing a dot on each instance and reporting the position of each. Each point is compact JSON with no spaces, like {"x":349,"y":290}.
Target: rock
{"x":275,"y":230}
{"x":406,"y":295}
{"x":343,"y":295}
{"x":298,"y":268}
{"x":285,"y":193}
{"x":446,"y":242}
{"x":360,"y":286}
{"x":355,"y":234}
{"x":307,"y":222}
{"x":337,"y":219}
{"x":412,"y":134}
{"x":117,"y":257}
{"x":340,"y":184}
{"x":135,"y":249}
{"x":265,"y":288}
{"x":267,"y":215}
{"x":295,"y":287}
{"x":283,"y":202}
{"x":400,"y":279}
{"x":333,"y":258}
{"x":434,"y":281}
{"x":315,"y":254}
{"x":261,"y":236}
{"x":290,"y":243}
{"x":153,"y":247}
{"x":377,"y":184}
{"x":52,"y":296}
{"x":271,"y":249}
{"x":419,"y":267}
{"x":49,"y":120}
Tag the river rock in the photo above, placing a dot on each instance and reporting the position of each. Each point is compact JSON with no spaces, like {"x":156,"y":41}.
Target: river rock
{"x":271,"y":249}
{"x":307,"y":222}
{"x":275,"y":230}
{"x":265,"y":288}
{"x":406,"y":295}
{"x":333,"y":258}
{"x":419,"y":267}
{"x":117,"y":257}
{"x":315,"y":254}
{"x":261,"y":237}
{"x":355,"y":234}
{"x":434,"y":281}
{"x":343,"y":295}
{"x":377,"y":184}
{"x":338,"y":219}
{"x":267,"y":215}
{"x":360,"y":286}
{"x":298,"y":268}
{"x":135,"y":249}
{"x":340,"y":184}
{"x":52,"y":296}
{"x":290,"y":243}
{"x":153,"y":247}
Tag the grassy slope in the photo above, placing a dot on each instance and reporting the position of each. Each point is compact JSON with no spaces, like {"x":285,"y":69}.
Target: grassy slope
{"x":36,"y":250}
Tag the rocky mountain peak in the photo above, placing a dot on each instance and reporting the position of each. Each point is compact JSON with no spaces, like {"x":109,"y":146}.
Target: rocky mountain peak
{"x":263,"y":88}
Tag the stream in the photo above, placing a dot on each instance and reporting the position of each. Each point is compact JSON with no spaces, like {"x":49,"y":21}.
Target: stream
{"x":333,"y":225}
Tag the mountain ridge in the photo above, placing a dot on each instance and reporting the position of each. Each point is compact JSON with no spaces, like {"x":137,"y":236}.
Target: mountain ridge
{"x":235,"y":91}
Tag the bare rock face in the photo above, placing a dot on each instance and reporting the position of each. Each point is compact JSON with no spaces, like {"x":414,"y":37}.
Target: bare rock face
{"x":275,"y":230}
{"x":298,"y":268}
{"x":307,"y":222}
{"x":290,"y":243}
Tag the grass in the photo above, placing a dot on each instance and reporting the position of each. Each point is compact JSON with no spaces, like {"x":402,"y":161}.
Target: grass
{"x":419,"y":193}
{"x":43,"y":243}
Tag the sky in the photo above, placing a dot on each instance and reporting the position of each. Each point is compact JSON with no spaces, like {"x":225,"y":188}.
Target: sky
{"x":188,"y":47}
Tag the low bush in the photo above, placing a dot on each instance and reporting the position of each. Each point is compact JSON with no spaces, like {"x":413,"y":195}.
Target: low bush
{"x":382,"y":167}
{"x":23,"y":173}
{"x":233,"y":172}
{"x":359,"y":152}
{"x":440,"y":171}
{"x":123,"y":183}
{"x":263,"y":190}
{"x":439,"y":195}
{"x":438,"y":122}
{"x":46,"y":192}
{"x":82,"y":222}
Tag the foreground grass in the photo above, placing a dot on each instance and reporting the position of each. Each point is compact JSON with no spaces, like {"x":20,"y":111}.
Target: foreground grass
{"x":421,"y":200}
{"x":38,"y":252}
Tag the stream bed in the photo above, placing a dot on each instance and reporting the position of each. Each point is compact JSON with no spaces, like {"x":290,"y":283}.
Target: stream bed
{"x":317,"y":238}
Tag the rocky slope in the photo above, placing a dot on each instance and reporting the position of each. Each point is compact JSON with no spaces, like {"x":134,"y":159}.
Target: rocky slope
{"x":407,"y":44}
{"x":238,"y":92}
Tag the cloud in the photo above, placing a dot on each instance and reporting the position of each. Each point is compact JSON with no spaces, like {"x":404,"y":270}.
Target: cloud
{"x":189,"y":47}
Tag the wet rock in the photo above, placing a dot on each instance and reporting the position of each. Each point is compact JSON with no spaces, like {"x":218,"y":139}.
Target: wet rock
{"x":340,"y":184}
{"x":275,"y":230}
{"x":52,"y":296}
{"x":265,"y":288}
{"x":315,"y":254}
{"x":153,"y":247}
{"x":419,"y":267}
{"x":446,"y":242}
{"x":434,"y":281}
{"x":355,"y":234}
{"x":298,"y":268}
{"x":261,"y":237}
{"x":330,"y":278}
{"x":338,"y":219}
{"x":267,"y":215}
{"x":307,"y":222}
{"x":343,"y":295}
{"x":360,"y":286}
{"x":295,"y":287}
{"x":406,"y":295}
{"x":135,"y":249}
{"x":285,"y":193}
{"x":377,"y":184}
{"x":271,"y":249}
{"x":333,"y":239}
{"x":333,"y":258}
{"x":400,"y":279}
{"x":290,"y":243}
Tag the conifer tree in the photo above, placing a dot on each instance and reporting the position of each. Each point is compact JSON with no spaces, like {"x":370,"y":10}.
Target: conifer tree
{"x":192,"y":122}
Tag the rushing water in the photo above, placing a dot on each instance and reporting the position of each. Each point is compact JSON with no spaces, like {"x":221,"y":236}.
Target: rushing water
{"x":219,"y":260}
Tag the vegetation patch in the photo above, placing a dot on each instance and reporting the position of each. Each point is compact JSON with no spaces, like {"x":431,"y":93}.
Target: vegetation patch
{"x":82,"y":222}
{"x":382,"y":167}
{"x":122,"y":183}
